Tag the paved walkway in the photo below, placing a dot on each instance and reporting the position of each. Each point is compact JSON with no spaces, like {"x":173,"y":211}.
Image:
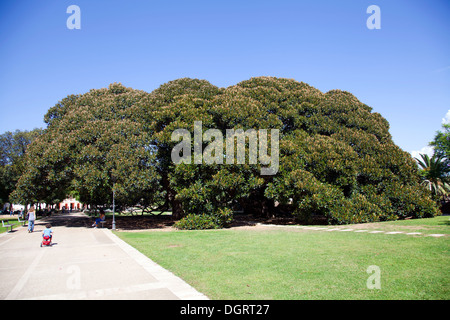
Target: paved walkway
{"x":83,"y":263}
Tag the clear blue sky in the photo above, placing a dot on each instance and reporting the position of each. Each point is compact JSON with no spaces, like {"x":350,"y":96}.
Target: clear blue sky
{"x":402,"y":70}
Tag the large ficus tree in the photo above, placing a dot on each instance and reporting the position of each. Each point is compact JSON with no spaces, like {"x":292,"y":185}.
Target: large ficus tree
{"x":336,"y":157}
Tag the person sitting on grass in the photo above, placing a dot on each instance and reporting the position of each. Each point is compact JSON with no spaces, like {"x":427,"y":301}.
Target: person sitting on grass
{"x":99,"y":219}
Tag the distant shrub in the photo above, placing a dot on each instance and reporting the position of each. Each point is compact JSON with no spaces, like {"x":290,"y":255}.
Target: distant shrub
{"x":221,"y":218}
{"x":196,"y":222}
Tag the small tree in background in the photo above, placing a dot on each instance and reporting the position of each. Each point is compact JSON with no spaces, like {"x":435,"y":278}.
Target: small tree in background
{"x":441,"y":142}
{"x":13,"y":146}
{"x":435,"y":174}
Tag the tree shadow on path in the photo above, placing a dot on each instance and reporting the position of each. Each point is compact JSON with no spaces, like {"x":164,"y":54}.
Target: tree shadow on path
{"x":80,"y":220}
{"x":71,"y":220}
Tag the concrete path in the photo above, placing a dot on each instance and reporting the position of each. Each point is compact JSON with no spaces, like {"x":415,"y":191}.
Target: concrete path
{"x":83,"y":263}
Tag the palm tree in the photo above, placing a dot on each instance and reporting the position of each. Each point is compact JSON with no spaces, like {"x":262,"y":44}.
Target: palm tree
{"x":435,"y":172}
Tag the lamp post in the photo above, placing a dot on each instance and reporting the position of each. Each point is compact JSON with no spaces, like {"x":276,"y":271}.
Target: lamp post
{"x":114,"y":212}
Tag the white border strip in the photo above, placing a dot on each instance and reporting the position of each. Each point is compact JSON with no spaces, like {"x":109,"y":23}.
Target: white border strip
{"x":436,"y":235}
{"x":175,"y":284}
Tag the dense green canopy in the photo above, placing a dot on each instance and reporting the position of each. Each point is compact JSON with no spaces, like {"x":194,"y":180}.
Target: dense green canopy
{"x":336,"y":157}
{"x":94,"y":142}
{"x":13,"y":146}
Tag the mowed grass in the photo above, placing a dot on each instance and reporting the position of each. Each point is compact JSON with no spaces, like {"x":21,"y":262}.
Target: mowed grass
{"x":288,"y":263}
{"x":9,"y":220}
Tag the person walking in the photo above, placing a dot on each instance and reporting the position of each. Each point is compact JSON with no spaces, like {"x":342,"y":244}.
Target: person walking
{"x":31,"y":218}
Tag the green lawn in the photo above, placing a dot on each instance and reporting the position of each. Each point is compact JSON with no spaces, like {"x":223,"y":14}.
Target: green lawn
{"x":289,"y":263}
{"x":13,"y":221}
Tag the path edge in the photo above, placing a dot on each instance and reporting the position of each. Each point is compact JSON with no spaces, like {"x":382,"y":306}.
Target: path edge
{"x":174,"y":283}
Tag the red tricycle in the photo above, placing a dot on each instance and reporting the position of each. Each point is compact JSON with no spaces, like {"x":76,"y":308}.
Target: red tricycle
{"x":46,"y":241}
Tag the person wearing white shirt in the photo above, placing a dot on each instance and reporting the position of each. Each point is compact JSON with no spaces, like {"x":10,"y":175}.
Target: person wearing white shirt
{"x":31,"y":218}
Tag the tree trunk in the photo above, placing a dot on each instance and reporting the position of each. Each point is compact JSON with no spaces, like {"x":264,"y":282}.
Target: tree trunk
{"x":177,"y":210}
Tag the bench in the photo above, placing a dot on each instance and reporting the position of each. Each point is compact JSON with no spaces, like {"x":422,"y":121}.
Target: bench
{"x":102,"y":222}
{"x":7,"y":225}
{"x":21,"y":221}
